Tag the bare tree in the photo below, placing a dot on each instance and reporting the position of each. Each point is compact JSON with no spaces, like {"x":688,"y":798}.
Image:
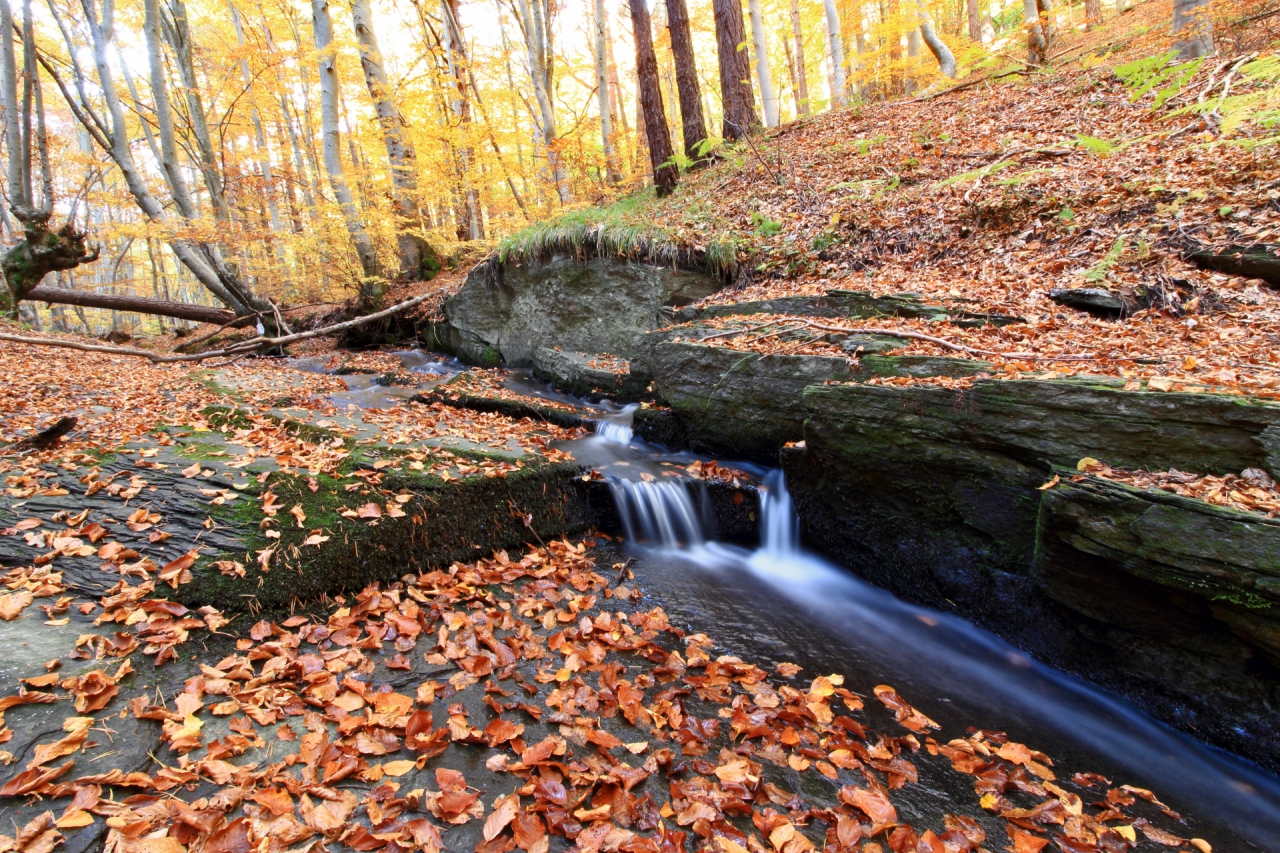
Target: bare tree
{"x":112,"y":134}
{"x":665,"y":173}
{"x":735,"y":74}
{"x":42,"y":249}
{"x":802,"y":82}
{"x":692,"y":123}
{"x":768,"y":98}
{"x":1193,"y":28}
{"x":372,"y":287}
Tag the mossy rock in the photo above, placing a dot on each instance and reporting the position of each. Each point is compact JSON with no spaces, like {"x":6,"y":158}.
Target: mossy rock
{"x":443,"y":522}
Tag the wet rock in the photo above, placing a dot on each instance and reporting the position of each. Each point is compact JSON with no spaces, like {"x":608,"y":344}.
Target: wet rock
{"x":504,"y":312}
{"x":1095,"y":300}
{"x":843,"y":304}
{"x":739,"y":403}
{"x":589,"y":374}
{"x":935,"y":494}
{"x":1226,"y":557}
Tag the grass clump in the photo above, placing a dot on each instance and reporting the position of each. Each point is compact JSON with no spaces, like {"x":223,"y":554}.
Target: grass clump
{"x":627,"y":228}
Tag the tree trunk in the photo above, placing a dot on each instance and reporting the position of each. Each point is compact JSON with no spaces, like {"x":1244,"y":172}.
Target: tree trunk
{"x":537,"y":47}
{"x":415,"y":255}
{"x":735,"y":74}
{"x":768,"y":98}
{"x":1193,"y":28}
{"x":1048,"y":25}
{"x":612,"y":173}
{"x":802,"y":81}
{"x":1092,"y":13}
{"x":940,"y":51}
{"x":665,"y":173}
{"x":460,"y":107}
{"x":691,"y":119}
{"x":178,"y":34}
{"x":1036,"y":49}
{"x":974,"y":13}
{"x":116,"y":302}
{"x":835,"y":44}
{"x":372,"y":288}
{"x":41,"y":252}
{"x":169,"y":162}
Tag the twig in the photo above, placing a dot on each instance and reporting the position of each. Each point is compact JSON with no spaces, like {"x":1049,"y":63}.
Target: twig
{"x":241,"y":348}
{"x":946,"y":344}
{"x":969,"y":84}
{"x":747,"y":136}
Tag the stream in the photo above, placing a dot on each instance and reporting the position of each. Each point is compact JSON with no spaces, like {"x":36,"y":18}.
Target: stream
{"x":780,"y":603}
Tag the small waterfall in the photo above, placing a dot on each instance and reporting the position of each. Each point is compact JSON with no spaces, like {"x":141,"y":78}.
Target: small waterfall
{"x":779,"y":525}
{"x":659,"y":513}
{"x":615,"y":426}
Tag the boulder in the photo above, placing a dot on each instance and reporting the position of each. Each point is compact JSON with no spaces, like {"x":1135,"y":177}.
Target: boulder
{"x":739,"y":403}
{"x":588,"y":374}
{"x":506,"y":311}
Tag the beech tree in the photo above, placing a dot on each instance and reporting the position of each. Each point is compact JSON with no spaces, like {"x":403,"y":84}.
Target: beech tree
{"x":1192,"y":28}
{"x":665,"y":172}
{"x":604,"y":96}
{"x":835,"y":44}
{"x":372,"y":286}
{"x":802,"y":82}
{"x":740,"y":116}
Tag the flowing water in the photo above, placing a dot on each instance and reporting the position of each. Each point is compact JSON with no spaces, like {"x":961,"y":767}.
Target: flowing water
{"x":779,"y":603}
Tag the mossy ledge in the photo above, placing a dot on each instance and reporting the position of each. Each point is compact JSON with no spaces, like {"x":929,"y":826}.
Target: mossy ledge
{"x":443,"y":522}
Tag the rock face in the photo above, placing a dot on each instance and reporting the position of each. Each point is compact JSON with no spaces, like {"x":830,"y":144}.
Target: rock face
{"x":504,"y":312}
{"x":739,"y":403}
{"x":935,"y":494}
{"x":588,"y":375}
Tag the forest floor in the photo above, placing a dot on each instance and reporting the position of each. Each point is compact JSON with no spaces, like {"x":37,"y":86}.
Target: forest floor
{"x":989,"y":197}
{"x":526,"y":701}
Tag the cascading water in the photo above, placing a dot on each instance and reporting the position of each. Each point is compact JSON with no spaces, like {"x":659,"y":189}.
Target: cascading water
{"x":778,"y":596}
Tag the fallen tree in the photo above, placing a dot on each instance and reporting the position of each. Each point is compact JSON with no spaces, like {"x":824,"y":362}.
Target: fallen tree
{"x":140,"y":305}
{"x":238,"y":349}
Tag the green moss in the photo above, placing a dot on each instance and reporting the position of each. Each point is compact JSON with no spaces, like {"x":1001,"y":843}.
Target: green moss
{"x":443,"y":522}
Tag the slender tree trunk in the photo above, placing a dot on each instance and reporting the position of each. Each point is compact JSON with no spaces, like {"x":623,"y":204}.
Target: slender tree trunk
{"x":1048,"y":25}
{"x":735,"y":74}
{"x":692,"y":122}
{"x":974,"y":13}
{"x":371,"y":288}
{"x":939,"y":49}
{"x":537,"y":46}
{"x":665,"y":173}
{"x":261,"y":152}
{"x":768,"y":97}
{"x":802,"y":80}
{"x":460,"y":107}
{"x":1092,"y":13}
{"x":612,"y":173}
{"x":1193,"y":28}
{"x":835,"y":48}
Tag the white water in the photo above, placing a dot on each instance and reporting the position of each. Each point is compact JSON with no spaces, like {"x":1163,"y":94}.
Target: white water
{"x":942,"y":658}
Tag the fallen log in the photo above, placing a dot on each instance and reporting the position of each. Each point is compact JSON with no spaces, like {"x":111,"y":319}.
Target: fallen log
{"x":138,"y":304}
{"x":234,"y":350}
{"x":1249,"y":261}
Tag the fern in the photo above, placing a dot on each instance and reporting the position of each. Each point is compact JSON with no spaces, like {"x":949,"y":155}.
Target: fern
{"x":1099,"y":271}
{"x":976,"y":174}
{"x":1159,"y":72}
{"x":1095,"y":146}
{"x":1260,"y":107}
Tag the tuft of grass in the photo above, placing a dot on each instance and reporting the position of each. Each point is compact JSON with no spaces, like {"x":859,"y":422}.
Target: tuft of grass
{"x":623,"y":229}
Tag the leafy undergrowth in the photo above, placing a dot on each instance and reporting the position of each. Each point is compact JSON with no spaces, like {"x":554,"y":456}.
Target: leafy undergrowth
{"x":590,"y":717}
{"x":990,"y":197}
